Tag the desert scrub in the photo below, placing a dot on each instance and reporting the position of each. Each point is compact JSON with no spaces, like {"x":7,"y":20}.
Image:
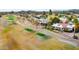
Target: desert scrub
{"x":5,"y":30}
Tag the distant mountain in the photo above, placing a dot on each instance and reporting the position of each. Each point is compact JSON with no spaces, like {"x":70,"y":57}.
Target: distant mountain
{"x":76,"y":11}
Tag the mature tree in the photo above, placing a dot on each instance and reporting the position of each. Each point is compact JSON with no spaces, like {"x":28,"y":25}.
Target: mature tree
{"x":50,"y":12}
{"x":75,"y":21}
{"x":11,"y":12}
{"x":55,"y":20}
{"x":44,"y":13}
{"x":52,"y":21}
{"x":69,"y":18}
{"x":0,"y":15}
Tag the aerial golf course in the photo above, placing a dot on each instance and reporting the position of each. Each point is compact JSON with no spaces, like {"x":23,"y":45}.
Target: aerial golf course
{"x":17,"y":37}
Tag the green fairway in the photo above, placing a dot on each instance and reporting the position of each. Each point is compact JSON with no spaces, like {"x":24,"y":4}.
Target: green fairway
{"x":11,"y":19}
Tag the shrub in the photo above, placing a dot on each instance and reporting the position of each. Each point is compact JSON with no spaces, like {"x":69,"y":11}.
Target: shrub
{"x":44,"y":36}
{"x":30,"y":30}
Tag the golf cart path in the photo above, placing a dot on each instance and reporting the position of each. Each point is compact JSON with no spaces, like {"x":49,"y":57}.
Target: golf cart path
{"x":64,"y":38}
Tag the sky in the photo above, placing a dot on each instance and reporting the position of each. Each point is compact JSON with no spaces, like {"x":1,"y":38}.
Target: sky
{"x":38,"y":4}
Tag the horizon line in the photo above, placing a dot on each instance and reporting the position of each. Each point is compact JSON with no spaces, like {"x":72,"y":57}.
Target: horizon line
{"x":8,"y":10}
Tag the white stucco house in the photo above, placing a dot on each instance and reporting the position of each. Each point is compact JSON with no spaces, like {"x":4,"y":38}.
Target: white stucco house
{"x":41,"y":20}
{"x":64,"y":25}
{"x":60,"y":26}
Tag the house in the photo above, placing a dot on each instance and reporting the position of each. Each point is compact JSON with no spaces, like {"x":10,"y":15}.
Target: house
{"x":41,"y":21}
{"x":70,"y":27}
{"x":63,"y":26}
{"x":57,"y":26}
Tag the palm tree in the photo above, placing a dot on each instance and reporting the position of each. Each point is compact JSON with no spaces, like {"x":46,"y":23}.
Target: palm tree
{"x":50,"y":12}
{"x":75,"y":21}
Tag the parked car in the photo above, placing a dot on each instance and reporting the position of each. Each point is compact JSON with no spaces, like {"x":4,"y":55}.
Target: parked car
{"x":69,"y":27}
